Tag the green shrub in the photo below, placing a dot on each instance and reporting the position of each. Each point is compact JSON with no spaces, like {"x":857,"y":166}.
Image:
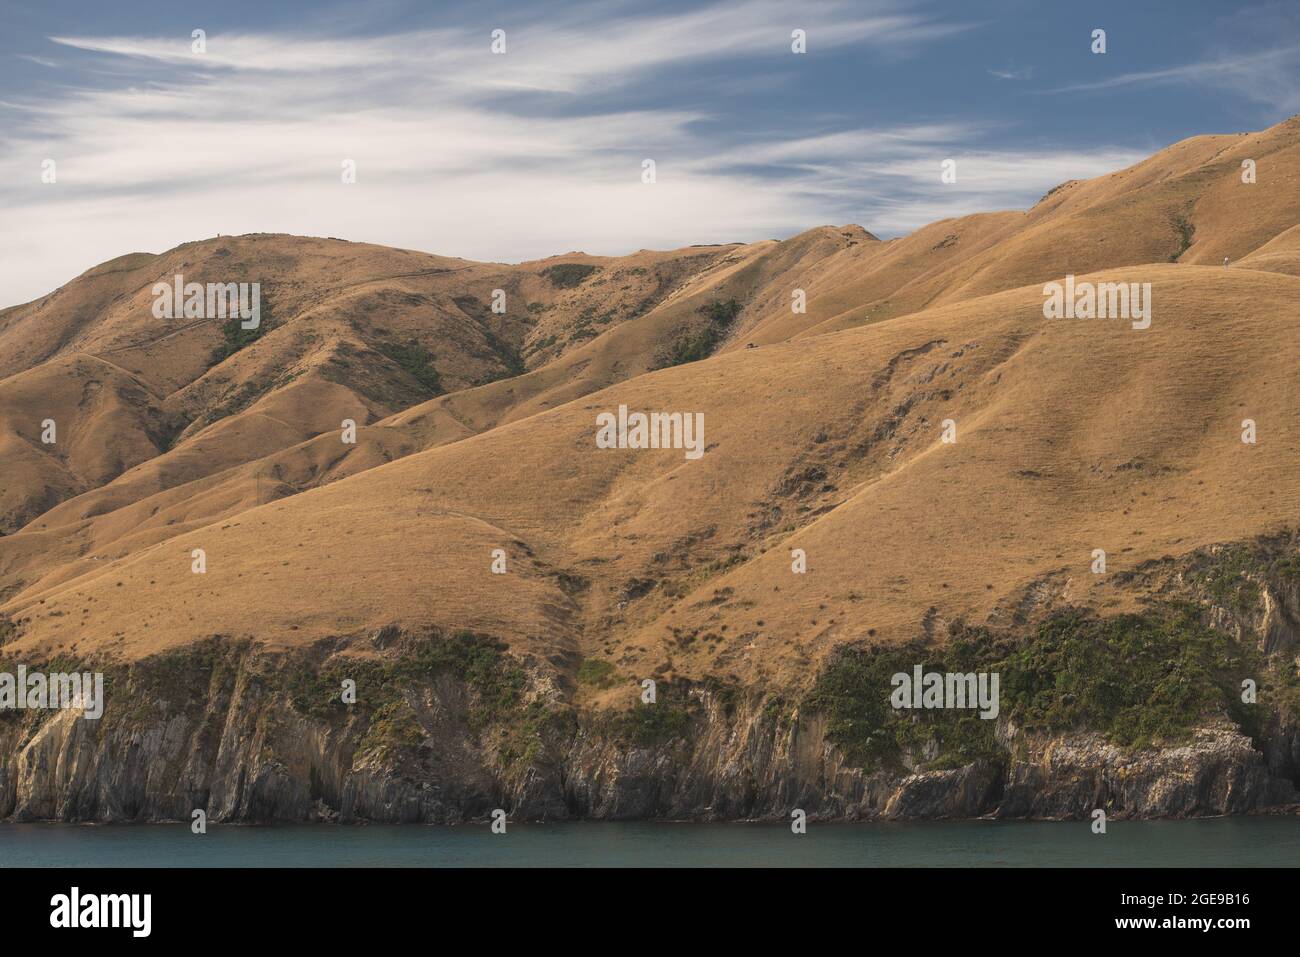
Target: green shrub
{"x":416,"y":362}
{"x":235,"y":337}
{"x":1138,"y":679}
{"x":599,"y":674}
{"x":1228,"y":581}
{"x":568,"y":275}
{"x":721,"y":314}
{"x":853,"y":693}
{"x":1288,"y":567}
{"x":649,"y":725}
{"x":1185,"y":231}
{"x":700,"y":343}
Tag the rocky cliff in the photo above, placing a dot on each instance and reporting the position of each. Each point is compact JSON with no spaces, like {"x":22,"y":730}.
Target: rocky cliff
{"x":243,"y":753}
{"x":443,"y":729}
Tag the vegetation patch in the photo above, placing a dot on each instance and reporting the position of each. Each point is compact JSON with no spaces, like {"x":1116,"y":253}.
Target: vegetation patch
{"x":1231,"y":581}
{"x":170,"y":431}
{"x":506,"y":354}
{"x":394,"y":727}
{"x":178,"y":681}
{"x":853,"y":693}
{"x":598,"y":674}
{"x":700,"y":343}
{"x":1287,"y":567}
{"x":651,"y":725}
{"x":1138,"y":679}
{"x":481,"y":663}
{"x":664,"y":723}
{"x":415,"y":361}
{"x":189,"y":680}
{"x":239,"y":400}
{"x":235,"y":337}
{"x":1185,"y":230}
{"x":498,"y":704}
{"x":568,"y":275}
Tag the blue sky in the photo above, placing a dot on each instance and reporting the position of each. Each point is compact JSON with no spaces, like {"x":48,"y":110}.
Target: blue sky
{"x":539,"y":151}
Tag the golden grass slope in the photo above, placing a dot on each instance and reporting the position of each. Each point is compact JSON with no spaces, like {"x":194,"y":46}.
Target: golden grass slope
{"x":337,"y":305}
{"x":1072,"y":435}
{"x":333,"y":314}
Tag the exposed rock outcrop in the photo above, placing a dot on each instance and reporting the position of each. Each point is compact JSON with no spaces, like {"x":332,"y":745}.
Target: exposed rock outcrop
{"x":246,"y":754}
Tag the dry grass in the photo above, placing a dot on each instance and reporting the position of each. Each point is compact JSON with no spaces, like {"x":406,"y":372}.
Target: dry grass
{"x":1071,"y":435}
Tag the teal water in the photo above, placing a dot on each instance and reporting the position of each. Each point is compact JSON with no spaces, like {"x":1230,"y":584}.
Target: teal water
{"x":1218,"y":842}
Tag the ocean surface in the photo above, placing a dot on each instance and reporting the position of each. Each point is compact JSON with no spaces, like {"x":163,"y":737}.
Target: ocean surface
{"x":1218,"y":842}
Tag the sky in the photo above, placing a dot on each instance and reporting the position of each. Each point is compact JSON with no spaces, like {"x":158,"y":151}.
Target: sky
{"x":539,"y":150}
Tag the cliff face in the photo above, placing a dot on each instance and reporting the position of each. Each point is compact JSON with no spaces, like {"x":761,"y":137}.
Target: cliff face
{"x":245,"y":755}
{"x":444,"y":730}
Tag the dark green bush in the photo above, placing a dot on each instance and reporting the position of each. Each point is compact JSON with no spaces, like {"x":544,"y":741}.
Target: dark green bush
{"x":1138,"y":679}
{"x":416,"y":362}
{"x":700,"y":343}
{"x":568,"y":275}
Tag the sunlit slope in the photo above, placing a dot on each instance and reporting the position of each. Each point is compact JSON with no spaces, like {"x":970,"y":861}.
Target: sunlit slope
{"x":1280,"y":254}
{"x":165,"y":435}
{"x":57,"y":324}
{"x":350,"y":332}
{"x":1188,"y":203}
{"x":346,"y":320}
{"x":70,"y":425}
{"x":185,"y":387}
{"x":1071,"y":436}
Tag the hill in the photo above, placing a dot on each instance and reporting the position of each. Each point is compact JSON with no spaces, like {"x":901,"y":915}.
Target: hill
{"x":945,"y":461}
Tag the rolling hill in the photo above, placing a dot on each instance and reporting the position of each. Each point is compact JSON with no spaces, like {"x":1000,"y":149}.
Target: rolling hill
{"x":945,"y":460}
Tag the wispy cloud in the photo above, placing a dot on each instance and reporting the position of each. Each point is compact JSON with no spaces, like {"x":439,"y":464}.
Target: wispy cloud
{"x":462,"y":152}
{"x":566,"y":52}
{"x":1271,"y":77}
{"x":1011,"y":73}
